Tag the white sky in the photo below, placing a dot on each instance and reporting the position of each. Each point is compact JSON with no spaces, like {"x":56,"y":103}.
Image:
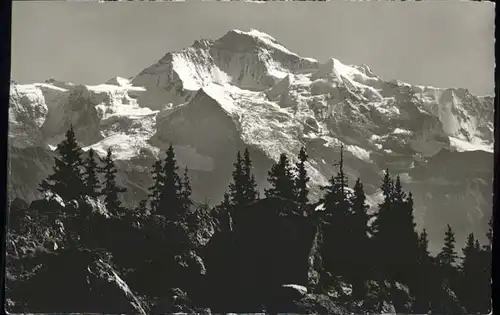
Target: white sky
{"x":442,"y":43}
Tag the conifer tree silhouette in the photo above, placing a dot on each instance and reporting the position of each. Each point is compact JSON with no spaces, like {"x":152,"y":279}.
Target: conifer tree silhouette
{"x":341,"y":177}
{"x":170,"y":202}
{"x":381,"y":223}
{"x":67,"y":178}
{"x":395,"y":237}
{"x":424,"y":276}
{"x":282,"y":180}
{"x":335,"y":193}
{"x":408,"y":236}
{"x":398,"y":194}
{"x":338,"y":218}
{"x":447,"y":257}
{"x":92,"y":184}
{"x":156,"y":189}
{"x":186,"y":190}
{"x":237,"y":186}
{"x":360,"y":240}
{"x":249,"y":185}
{"x":360,"y":211}
{"x":387,"y":187}
{"x":110,"y":189}
{"x":471,"y":275}
{"x":302,"y":178}
{"x":423,"y":248}
{"x":477,"y":246}
{"x":469,"y":254}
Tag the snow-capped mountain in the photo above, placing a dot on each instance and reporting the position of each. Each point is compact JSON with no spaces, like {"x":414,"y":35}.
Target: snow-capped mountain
{"x":245,"y":89}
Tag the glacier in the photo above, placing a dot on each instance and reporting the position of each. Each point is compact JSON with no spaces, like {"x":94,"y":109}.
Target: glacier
{"x":245,"y":89}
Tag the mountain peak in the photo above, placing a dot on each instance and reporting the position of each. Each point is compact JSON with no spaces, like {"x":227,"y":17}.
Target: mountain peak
{"x":245,"y":89}
{"x":250,"y":40}
{"x":256,"y":34}
{"x":251,"y":60}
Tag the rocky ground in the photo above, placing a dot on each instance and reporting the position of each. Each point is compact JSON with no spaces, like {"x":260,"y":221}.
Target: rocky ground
{"x":95,"y":263}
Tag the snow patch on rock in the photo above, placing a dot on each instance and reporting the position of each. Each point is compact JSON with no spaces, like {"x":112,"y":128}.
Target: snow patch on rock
{"x":474,"y":145}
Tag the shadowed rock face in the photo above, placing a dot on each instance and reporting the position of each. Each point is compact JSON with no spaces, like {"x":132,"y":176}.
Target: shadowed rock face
{"x":49,"y":271}
{"x":78,"y":280}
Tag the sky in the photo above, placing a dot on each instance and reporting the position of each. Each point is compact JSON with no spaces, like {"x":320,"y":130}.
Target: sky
{"x":442,"y":43}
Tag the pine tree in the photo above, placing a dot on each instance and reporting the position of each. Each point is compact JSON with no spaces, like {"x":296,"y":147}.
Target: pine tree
{"x":110,"y":190}
{"x":249,"y":185}
{"x":341,"y":177}
{"x":380,"y":223}
{"x":281,"y":179}
{"x":406,"y":230}
{"x":335,"y":194}
{"x":67,"y":178}
{"x":92,"y":184}
{"x":360,"y":209}
{"x":468,"y":253}
{"x":448,"y":256}
{"x":471,"y":275}
{"x":383,"y":227}
{"x":359,"y":238}
{"x":170,"y":202}
{"x":339,"y":223}
{"x":398,"y":194}
{"x":423,"y":248}
{"x":395,"y":238}
{"x":387,"y":187}
{"x":156,"y":188}
{"x":302,"y":179}
{"x":186,"y":190}
{"x":422,"y":284}
{"x":237,"y":187}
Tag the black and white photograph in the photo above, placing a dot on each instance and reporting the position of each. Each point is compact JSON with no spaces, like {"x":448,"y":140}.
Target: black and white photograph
{"x":217,"y":158}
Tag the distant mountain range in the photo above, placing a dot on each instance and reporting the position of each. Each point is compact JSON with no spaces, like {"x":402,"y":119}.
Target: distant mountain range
{"x":245,"y":89}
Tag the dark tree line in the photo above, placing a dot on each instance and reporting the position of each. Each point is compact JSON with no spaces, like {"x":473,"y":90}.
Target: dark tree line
{"x":74,"y":178}
{"x":170,"y":193}
{"x":358,"y":246}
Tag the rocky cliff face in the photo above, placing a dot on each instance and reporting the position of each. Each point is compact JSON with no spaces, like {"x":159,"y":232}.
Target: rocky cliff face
{"x":247,"y":90}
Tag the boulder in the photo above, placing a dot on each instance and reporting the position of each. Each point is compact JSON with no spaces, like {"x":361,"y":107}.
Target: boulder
{"x":319,"y":304}
{"x":75,"y":281}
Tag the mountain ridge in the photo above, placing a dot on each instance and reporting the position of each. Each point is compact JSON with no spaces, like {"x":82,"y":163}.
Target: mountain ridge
{"x":247,"y":90}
